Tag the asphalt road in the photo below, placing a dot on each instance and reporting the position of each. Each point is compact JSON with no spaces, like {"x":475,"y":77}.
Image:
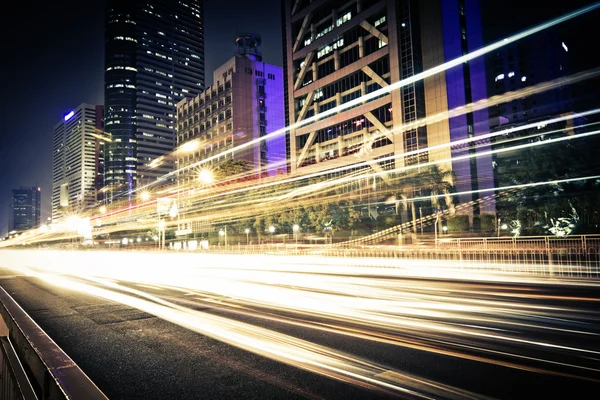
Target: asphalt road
{"x":131,"y":354}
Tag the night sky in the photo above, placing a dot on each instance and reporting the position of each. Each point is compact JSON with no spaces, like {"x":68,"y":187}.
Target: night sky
{"x":55,"y":59}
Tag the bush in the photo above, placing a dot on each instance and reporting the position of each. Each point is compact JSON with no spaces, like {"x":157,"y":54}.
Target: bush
{"x":486,"y":222}
{"x":458,"y":223}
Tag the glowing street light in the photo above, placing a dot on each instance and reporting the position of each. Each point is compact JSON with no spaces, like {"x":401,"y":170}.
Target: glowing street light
{"x":102,"y":209}
{"x":125,"y":241}
{"x":145,"y":195}
{"x":189,"y":147}
{"x":206,"y":177}
{"x":296,"y":228}
{"x":223,"y":234}
{"x":139,"y":240}
{"x":272,"y":230}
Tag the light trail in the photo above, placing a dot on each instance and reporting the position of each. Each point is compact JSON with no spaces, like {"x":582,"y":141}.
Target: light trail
{"x":394,"y":86}
{"x":437,"y":306}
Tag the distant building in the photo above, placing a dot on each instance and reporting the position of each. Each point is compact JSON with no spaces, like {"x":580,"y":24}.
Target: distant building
{"x":25,"y":208}
{"x":154,"y":57}
{"x":244,"y":103}
{"x":77,"y":160}
{"x":539,"y":58}
{"x":337,"y":51}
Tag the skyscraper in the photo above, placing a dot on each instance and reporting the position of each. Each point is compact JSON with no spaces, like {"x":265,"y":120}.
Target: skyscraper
{"x":77,"y":156}
{"x":154,"y":58}
{"x":25,"y":208}
{"x":539,"y":58}
{"x":244,"y":103}
{"x":337,"y":51}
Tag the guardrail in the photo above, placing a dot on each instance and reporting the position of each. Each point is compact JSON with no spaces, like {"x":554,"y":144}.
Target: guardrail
{"x":33,"y":366}
{"x":571,"y":257}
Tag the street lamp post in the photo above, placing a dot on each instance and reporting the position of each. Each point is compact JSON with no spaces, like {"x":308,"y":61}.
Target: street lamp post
{"x":437,"y":216}
{"x":296,"y":228}
{"x":247,"y":237}
{"x":272,"y":230}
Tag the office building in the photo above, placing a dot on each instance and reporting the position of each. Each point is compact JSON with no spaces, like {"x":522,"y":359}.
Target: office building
{"x":25,"y":208}
{"x":337,"y":51}
{"x":244,"y":103}
{"x":154,"y":57}
{"x":539,"y":59}
{"x":536,"y":59}
{"x":77,"y":160}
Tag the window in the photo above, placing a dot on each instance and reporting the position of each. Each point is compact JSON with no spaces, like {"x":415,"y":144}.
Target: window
{"x":499,"y":77}
{"x":379,"y":21}
{"x":329,"y":48}
{"x":344,"y":18}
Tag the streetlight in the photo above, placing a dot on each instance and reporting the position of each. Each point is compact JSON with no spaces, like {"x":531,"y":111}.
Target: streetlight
{"x":272,"y":230}
{"x":205,"y":176}
{"x":223,"y":234}
{"x":102,"y":209}
{"x":145,"y":195}
{"x":445,"y":228}
{"x":247,"y":237}
{"x":296,"y":228}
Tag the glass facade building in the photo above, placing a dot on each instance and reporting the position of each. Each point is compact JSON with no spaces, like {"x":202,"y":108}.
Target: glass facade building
{"x":25,"y":208}
{"x":154,"y":58}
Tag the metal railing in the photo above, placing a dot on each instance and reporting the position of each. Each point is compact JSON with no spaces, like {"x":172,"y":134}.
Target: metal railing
{"x":33,"y":366}
{"x":567,"y":257}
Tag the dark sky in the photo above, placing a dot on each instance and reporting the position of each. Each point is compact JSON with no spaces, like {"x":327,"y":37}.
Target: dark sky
{"x":54,"y":62}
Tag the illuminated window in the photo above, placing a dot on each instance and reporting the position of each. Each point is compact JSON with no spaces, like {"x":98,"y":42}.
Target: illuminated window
{"x":499,"y":77}
{"x":511,"y":74}
{"x":565,"y":46}
{"x":329,"y":48}
{"x":344,"y":18}
{"x":379,"y":21}
{"x":523,"y":79}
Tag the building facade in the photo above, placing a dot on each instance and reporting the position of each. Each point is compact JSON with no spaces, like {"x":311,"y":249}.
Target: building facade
{"x":244,"y":104}
{"x":77,"y":160}
{"x":337,"y":51}
{"x":25,"y":208}
{"x":536,"y":59}
{"x":154,"y":57}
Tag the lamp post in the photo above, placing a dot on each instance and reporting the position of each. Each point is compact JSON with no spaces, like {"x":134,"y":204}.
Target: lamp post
{"x":247,"y":237}
{"x":223,"y":234}
{"x":296,"y":228}
{"x":421,"y":218}
{"x":437,"y":216}
{"x":272,"y":230}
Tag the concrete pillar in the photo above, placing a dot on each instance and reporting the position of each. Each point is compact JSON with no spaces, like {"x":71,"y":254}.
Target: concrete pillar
{"x":336,"y":59}
{"x":358,"y":6}
{"x":314,"y":71}
{"x":318,"y":152}
{"x":313,"y":32}
{"x":361,"y":47}
{"x":363,"y":89}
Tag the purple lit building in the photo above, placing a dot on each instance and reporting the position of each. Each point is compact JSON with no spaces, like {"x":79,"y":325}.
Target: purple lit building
{"x":244,"y":103}
{"x":336,"y":51}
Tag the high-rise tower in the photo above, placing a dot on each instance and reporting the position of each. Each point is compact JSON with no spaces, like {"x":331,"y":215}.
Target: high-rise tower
{"x":77,"y":155}
{"x":336,"y":51}
{"x":154,"y":58}
{"x":25,"y":208}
